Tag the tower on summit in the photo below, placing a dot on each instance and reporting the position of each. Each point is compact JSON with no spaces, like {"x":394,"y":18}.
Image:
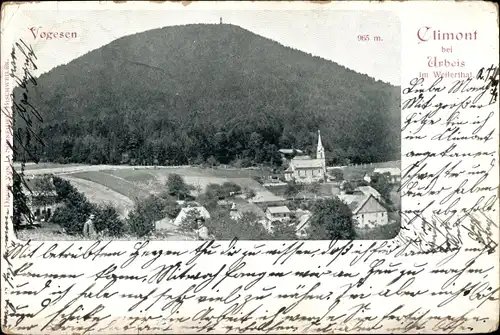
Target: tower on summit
{"x":220,"y":20}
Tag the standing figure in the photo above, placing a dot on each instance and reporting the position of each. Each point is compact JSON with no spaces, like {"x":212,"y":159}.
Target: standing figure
{"x":88,"y":227}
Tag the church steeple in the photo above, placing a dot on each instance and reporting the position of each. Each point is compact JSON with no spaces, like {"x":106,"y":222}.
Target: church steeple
{"x":320,"y":154}
{"x":320,"y":151}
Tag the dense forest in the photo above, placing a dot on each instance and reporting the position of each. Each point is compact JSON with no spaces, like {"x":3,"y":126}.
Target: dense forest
{"x":208,"y":93}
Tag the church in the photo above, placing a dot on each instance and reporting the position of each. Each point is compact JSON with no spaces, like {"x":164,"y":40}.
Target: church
{"x":307,"y":170}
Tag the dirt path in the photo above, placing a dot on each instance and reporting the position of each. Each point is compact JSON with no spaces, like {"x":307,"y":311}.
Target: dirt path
{"x":34,"y":170}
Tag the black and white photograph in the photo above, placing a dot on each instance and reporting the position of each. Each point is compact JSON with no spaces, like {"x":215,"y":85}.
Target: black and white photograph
{"x":249,"y":167}
{"x":211,"y":125}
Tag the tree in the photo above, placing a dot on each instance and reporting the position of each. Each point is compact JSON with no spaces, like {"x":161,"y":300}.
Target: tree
{"x":381,"y":183}
{"x":292,"y":189}
{"x":76,"y":207}
{"x":331,"y":219}
{"x":21,"y":211}
{"x":142,"y":218}
{"x":338,"y":174}
{"x":214,"y":191}
{"x":247,"y":227}
{"x":172,"y":209}
{"x":177,"y":187}
{"x":284,"y":230}
{"x":73,"y":215}
{"x":231,"y":189}
{"x":347,"y":187}
{"x":190,"y":221}
{"x":250,"y":227}
{"x":249,"y":193}
{"x":212,"y":161}
{"x":107,"y":221}
{"x":255,"y":146}
{"x":314,"y":188}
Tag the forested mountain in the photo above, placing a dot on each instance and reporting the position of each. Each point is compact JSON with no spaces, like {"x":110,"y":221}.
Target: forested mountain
{"x":187,"y":94}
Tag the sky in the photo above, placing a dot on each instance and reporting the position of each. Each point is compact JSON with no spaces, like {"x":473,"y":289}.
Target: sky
{"x":330,"y":34}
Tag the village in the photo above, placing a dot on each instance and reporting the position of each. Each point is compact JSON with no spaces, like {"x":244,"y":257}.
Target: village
{"x":281,"y":200}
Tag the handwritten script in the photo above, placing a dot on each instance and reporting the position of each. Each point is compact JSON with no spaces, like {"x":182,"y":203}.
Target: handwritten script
{"x":445,"y":258}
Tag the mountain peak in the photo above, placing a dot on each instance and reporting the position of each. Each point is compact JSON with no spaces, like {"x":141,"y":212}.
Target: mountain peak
{"x":194,"y":91}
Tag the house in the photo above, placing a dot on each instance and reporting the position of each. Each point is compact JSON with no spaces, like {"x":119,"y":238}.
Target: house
{"x":41,"y":197}
{"x":200,"y":211}
{"x":394,"y":174}
{"x":306,"y":170}
{"x":367,"y":190}
{"x":367,"y":212}
{"x":278,"y":213}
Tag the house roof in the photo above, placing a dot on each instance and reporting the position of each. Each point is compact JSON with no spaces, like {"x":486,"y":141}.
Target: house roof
{"x":266,"y":196}
{"x":186,"y":210}
{"x":358,"y":202}
{"x":369,"y":190}
{"x":278,"y":209}
{"x":391,"y":171}
{"x":303,"y":157}
{"x":305,"y":195}
{"x":31,"y":187}
{"x":307,"y":163}
{"x":290,"y":151}
{"x":303,"y":217}
{"x":352,"y":200}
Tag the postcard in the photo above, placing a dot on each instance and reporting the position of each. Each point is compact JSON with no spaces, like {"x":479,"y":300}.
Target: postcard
{"x":249,"y":167}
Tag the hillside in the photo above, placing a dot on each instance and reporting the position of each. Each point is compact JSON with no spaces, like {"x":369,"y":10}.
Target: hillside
{"x":183,"y":94}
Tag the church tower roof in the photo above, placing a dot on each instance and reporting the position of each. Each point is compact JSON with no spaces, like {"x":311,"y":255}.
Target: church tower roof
{"x":320,"y":145}
{"x":320,"y":151}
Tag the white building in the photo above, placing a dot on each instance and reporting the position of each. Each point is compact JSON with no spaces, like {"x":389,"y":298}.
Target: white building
{"x":278,"y":213}
{"x":306,"y":170}
{"x":367,"y":212}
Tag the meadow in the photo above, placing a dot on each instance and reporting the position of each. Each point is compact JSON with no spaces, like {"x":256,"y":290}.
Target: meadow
{"x":122,"y":187}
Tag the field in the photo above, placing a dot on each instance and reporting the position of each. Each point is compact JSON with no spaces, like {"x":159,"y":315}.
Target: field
{"x":115,"y":183}
{"x":98,"y":193}
{"x":122,"y":185}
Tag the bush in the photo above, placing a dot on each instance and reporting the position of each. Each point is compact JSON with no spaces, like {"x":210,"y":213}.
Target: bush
{"x":141,"y":220}
{"x":231,"y":188}
{"x":338,"y":174}
{"x":332,"y":220}
{"x":72,"y":216}
{"x":108,"y":221}
{"x":190,"y":223}
{"x":223,"y":227}
{"x":384,"y":232}
{"x":177,"y":187}
{"x":284,"y":230}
